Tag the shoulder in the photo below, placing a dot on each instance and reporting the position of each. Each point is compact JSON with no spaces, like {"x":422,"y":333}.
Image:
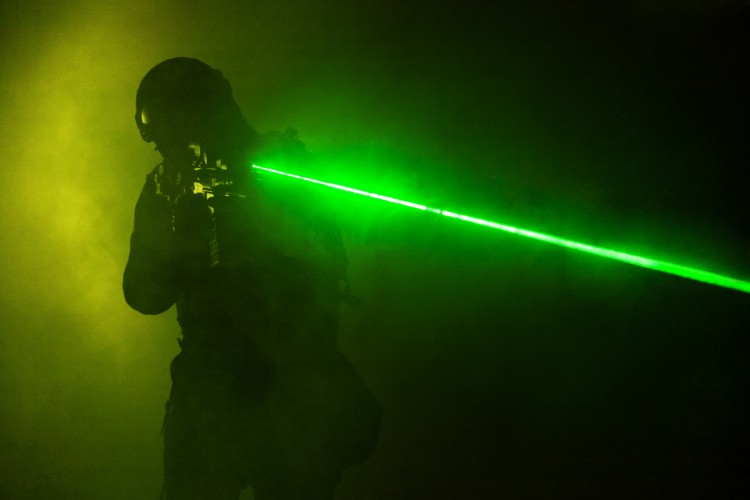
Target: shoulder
{"x":285,"y":152}
{"x":304,"y":201}
{"x":274,"y":141}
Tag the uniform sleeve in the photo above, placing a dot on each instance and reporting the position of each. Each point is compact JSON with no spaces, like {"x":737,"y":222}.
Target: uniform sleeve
{"x":150,"y":282}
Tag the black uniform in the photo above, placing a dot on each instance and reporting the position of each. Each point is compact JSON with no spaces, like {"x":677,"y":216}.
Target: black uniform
{"x":261,"y":394}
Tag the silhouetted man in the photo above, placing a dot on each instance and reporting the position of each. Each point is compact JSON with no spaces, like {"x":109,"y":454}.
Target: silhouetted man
{"x":260,"y":395}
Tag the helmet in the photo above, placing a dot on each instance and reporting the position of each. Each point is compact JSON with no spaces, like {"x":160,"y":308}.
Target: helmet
{"x":180,"y":99}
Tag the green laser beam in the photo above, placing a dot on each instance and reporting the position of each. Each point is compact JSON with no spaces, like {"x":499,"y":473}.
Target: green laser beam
{"x":656,"y":265}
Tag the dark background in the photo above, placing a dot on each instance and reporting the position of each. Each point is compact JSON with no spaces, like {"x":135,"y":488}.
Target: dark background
{"x":507,"y":368}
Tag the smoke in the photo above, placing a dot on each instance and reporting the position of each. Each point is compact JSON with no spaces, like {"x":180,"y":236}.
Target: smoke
{"x":550,"y":118}
{"x":82,"y":374}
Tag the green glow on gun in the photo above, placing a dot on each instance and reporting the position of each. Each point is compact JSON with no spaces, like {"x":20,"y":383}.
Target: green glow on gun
{"x":656,"y":265}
